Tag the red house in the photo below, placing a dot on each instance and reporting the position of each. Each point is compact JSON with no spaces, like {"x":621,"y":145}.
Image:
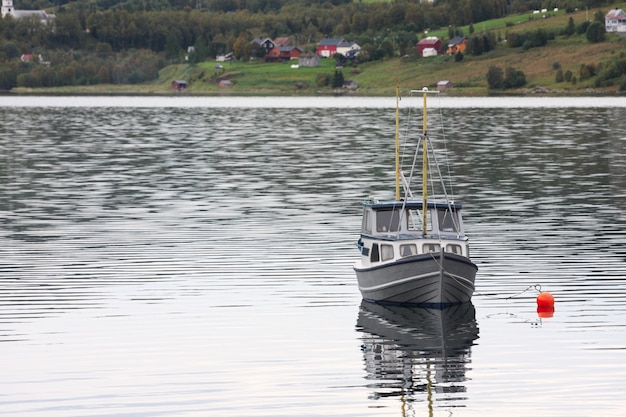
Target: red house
{"x":328,"y":47}
{"x":428,"y":44}
{"x":283,"y":53}
{"x":179,"y":85}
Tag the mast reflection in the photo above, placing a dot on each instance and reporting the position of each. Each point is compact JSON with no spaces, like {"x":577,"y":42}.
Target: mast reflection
{"x":418,"y":355}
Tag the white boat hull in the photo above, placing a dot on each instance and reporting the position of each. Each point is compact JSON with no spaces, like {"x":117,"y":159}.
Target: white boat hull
{"x":436,"y":279}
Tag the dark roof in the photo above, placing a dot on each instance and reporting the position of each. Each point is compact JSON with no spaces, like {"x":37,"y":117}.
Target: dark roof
{"x":262,"y":41}
{"x":410,"y":204}
{"x":428,"y":41}
{"x":457,"y":40}
{"x":288,"y":48}
{"x":344,"y":43}
{"x":330,"y":42}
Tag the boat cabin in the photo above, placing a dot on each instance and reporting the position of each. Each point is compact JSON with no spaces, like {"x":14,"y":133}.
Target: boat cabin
{"x":400,"y":228}
{"x":385,"y":218}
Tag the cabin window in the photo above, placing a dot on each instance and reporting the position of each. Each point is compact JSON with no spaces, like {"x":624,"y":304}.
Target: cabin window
{"x":454,"y":249}
{"x":387,"y":221}
{"x":366,"y":227}
{"x":431,"y":247}
{"x":387,"y":252}
{"x":448,"y":221}
{"x":408,"y":250}
{"x":415,"y":220}
{"x":375,"y":256}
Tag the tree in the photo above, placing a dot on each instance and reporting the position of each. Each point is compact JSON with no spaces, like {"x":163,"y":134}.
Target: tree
{"x":570,"y":29}
{"x":322,"y":80}
{"x":568,"y":76}
{"x":10,"y":50}
{"x":338,"y":79}
{"x":595,"y":32}
{"x":477,"y":45}
{"x":8,"y":77}
{"x":241,"y":47}
{"x":103,"y":48}
{"x":103,"y":75}
{"x":172,"y":46}
{"x":514,"y":78}
{"x":559,"y":76}
{"x":495,"y":77}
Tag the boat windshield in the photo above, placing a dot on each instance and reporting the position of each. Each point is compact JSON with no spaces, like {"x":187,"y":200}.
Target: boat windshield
{"x":448,"y":221}
{"x":415,"y":220}
{"x":387,"y":221}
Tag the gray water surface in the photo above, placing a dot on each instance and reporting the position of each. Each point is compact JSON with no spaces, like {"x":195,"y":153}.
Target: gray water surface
{"x":193,"y":257}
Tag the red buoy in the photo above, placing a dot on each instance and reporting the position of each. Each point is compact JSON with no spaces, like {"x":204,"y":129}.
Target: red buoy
{"x":545,"y":305}
{"x":545,"y":299}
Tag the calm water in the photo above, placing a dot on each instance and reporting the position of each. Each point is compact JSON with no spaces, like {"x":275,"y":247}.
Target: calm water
{"x":193,"y":257}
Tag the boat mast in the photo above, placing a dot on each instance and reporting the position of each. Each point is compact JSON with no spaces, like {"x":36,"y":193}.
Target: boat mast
{"x":397,"y":142}
{"x":424,"y":166}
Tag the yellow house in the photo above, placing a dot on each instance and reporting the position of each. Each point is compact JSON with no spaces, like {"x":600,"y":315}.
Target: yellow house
{"x":457,"y":44}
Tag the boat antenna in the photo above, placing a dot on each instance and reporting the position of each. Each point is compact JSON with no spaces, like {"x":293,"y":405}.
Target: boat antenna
{"x":397,"y":141}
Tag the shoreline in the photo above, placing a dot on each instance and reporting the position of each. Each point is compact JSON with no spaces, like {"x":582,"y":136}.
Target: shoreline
{"x":103,"y":92}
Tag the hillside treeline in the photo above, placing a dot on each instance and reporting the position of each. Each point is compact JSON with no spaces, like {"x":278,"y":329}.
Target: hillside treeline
{"x":101,"y":42}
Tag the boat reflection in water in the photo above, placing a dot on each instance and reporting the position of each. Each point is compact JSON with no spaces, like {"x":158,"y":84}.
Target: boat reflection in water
{"x":419,"y":355}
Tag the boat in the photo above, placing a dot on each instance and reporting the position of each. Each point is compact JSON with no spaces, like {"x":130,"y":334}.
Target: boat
{"x":414,"y":250}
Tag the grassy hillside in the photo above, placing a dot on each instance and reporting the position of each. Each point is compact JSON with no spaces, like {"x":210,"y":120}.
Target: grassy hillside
{"x":379,"y":77}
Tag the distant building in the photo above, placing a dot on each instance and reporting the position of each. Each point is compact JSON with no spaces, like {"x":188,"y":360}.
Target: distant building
{"x":8,"y":10}
{"x":429,"y":46}
{"x":457,"y":44}
{"x":309,"y":61}
{"x":281,"y":42}
{"x":328,"y":47}
{"x":223,"y":58}
{"x":350,"y":85}
{"x":265,"y":43}
{"x":615,"y":21}
{"x":444,"y":85}
{"x":283,"y":53}
{"x":179,"y":85}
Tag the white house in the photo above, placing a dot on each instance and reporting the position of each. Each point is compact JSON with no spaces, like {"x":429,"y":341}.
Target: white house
{"x":8,"y":9}
{"x":615,"y":21}
{"x":348,"y":49}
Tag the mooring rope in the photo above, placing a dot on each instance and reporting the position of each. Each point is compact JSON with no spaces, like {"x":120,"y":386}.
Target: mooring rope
{"x":536,"y":287}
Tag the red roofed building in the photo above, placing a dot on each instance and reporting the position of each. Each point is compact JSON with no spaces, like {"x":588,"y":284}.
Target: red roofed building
{"x":429,"y":43}
{"x":283,"y":53}
{"x":615,"y":21}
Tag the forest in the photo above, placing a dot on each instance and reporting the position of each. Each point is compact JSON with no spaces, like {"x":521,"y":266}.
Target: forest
{"x":106,"y":41}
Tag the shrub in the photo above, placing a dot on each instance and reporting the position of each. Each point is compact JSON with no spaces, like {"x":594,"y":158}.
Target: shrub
{"x":582,"y":28}
{"x":322,"y":80}
{"x":568,"y":76}
{"x":495,"y":77}
{"x":559,"y":76}
{"x":514,"y":78}
{"x":595,"y":32}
